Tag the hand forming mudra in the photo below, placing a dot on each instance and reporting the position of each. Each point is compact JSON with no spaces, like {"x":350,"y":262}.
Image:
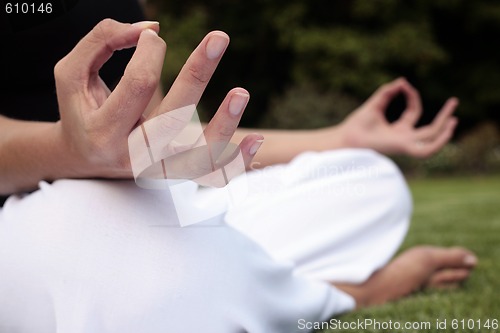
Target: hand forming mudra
{"x":367,"y":126}
{"x":96,"y":122}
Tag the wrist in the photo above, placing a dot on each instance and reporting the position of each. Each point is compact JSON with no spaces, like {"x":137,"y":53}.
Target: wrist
{"x":69,"y":162}
{"x":81,"y":159}
{"x":59,"y":156}
{"x":332,"y":137}
{"x":32,"y":151}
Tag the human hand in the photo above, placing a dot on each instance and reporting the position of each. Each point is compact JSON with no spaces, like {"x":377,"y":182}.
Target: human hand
{"x":95,"y":122}
{"x":367,"y":126}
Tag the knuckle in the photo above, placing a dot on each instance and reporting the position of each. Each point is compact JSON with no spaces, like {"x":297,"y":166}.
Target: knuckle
{"x":72,"y":75}
{"x":59,"y":69}
{"x":197,"y":75}
{"x":105,"y":25}
{"x":102,"y":32}
{"x":226,"y":131}
{"x":142,"y":82}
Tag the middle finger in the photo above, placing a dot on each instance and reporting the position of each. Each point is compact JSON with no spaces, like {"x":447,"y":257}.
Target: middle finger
{"x":195,"y":74}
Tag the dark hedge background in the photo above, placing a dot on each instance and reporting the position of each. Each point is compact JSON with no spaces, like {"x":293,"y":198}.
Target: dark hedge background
{"x":307,"y":63}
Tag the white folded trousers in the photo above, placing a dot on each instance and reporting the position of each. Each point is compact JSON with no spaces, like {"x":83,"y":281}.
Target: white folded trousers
{"x":92,"y":256}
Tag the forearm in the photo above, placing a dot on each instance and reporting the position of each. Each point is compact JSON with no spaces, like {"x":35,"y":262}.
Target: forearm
{"x":281,"y":146}
{"x":30,"y":152}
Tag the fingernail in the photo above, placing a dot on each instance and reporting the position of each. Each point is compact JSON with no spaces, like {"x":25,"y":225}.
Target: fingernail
{"x":146,"y":24}
{"x":216,"y":46}
{"x":149,"y":31}
{"x":237,"y":103}
{"x":253,"y":149}
{"x":470,"y":260}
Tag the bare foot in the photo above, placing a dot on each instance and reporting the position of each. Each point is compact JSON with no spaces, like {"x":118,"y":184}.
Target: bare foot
{"x":417,"y":268}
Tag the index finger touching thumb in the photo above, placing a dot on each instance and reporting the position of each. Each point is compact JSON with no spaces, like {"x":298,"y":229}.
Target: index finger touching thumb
{"x":93,"y":50}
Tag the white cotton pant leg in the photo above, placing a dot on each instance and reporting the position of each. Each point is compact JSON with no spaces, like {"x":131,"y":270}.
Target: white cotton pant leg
{"x":84,"y":256}
{"x":336,"y":215}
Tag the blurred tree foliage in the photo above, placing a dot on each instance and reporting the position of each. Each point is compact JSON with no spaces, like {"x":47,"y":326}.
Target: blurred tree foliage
{"x":344,"y":49}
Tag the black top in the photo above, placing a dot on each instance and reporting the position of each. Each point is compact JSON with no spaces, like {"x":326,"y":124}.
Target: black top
{"x":32,"y":45}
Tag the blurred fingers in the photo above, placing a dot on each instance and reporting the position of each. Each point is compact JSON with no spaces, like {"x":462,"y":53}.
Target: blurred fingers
{"x":413,"y":110}
{"x":381,"y":98}
{"x":427,"y":146}
{"x":440,"y":121}
{"x":448,"y":278}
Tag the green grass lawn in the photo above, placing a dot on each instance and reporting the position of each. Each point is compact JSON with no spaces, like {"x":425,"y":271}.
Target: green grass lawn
{"x":447,"y":212}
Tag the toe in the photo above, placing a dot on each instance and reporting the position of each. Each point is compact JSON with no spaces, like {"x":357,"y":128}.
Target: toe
{"x":448,"y":278}
{"x":455,"y":257}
